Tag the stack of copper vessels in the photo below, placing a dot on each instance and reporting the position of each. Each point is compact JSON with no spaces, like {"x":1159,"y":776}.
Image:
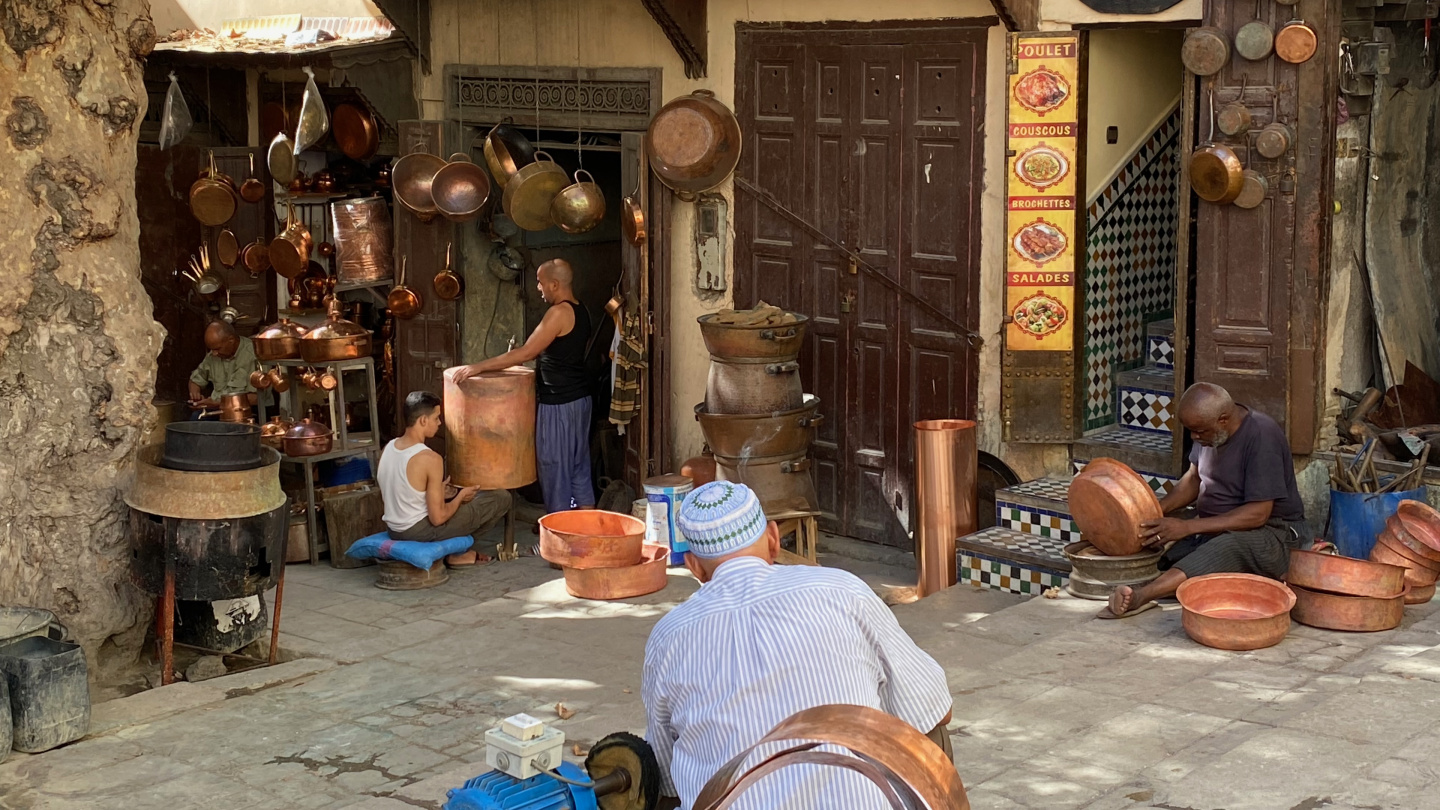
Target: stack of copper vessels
{"x":603,"y":554}
{"x":755,"y":417}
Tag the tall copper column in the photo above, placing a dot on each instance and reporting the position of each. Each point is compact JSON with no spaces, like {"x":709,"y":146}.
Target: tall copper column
{"x":945,"y":497}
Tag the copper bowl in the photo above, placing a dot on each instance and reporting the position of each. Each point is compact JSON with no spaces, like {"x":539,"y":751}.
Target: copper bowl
{"x":1414,"y":574}
{"x":1345,"y":576}
{"x":460,"y":190}
{"x":1399,"y":541}
{"x":625,"y":582}
{"x":1355,"y":614}
{"x":272,"y":433}
{"x":1108,"y":502}
{"x":411,"y":178}
{"x":591,"y":538}
{"x":1423,"y":523}
{"x":1235,"y":611}
{"x":1420,"y":594}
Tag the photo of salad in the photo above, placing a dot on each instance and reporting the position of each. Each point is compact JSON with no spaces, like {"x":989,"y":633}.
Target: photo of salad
{"x":1041,"y":166}
{"x":1039,"y":315}
{"x":1039,"y":242}
{"x":1041,"y":90}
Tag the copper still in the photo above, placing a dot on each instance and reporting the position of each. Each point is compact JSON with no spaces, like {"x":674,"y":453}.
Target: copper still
{"x":491,"y":428}
{"x":335,"y":339}
{"x":945,"y":494}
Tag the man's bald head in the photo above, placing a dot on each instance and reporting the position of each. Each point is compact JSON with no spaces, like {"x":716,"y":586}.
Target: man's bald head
{"x":221,"y":339}
{"x":553,"y":280}
{"x":1208,"y":412}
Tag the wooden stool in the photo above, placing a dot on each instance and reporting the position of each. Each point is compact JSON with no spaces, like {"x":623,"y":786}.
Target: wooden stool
{"x":394,"y":575}
{"x":804,"y":526}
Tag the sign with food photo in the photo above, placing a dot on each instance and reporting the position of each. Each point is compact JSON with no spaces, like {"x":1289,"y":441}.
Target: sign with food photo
{"x":1043,"y":193}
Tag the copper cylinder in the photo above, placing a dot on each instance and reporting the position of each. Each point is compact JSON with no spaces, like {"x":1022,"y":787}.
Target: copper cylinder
{"x":491,"y":429}
{"x":945,"y":469}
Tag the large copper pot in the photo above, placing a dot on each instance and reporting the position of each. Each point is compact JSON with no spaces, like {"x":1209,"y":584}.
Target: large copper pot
{"x":335,"y":339}
{"x":235,"y":408}
{"x":490,"y":423}
{"x":307,"y":438}
{"x":773,"y":434}
{"x":460,"y":190}
{"x":763,"y":342}
{"x":507,"y":151}
{"x":1355,"y":614}
{"x":1108,"y":502}
{"x":1235,"y":611}
{"x":580,"y":206}
{"x":278,"y":341}
{"x":623,"y":582}
{"x":530,"y":193}
{"x":272,"y":433}
{"x":736,"y":387}
{"x":945,"y":496}
{"x":591,"y":538}
{"x":1342,"y":575}
{"x":362,"y":239}
{"x":782,"y":483}
{"x":1422,"y":522}
{"x":693,"y":143}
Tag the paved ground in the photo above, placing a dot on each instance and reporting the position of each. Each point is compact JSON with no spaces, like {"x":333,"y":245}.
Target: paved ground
{"x":1053,"y":709}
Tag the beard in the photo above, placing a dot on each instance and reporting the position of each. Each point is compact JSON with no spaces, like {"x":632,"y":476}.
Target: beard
{"x":1221,"y":437}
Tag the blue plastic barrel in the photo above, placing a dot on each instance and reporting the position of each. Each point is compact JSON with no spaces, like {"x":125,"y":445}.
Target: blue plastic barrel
{"x":1356,"y":518}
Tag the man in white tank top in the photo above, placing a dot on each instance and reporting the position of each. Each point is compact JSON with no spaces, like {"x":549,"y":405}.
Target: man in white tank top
{"x":420,"y":502}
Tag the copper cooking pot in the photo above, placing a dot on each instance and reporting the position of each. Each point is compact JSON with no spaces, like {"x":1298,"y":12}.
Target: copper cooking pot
{"x":307,"y":438}
{"x":256,"y":257}
{"x":1356,"y":614}
{"x":460,"y":190}
{"x":447,"y":285}
{"x":783,"y":483}
{"x":278,"y":341}
{"x":750,"y":435}
{"x":1342,"y":575}
{"x":736,"y":341}
{"x":693,"y":143}
{"x":252,"y":190}
{"x":289,"y":252}
{"x":1206,"y":51}
{"x":531,"y":192}
{"x":412,"y":177}
{"x":1296,"y":42}
{"x":1274,"y":140}
{"x":355,"y":131}
{"x":279,"y":380}
{"x":272,"y":433}
{"x":1108,"y":502}
{"x":260,"y":379}
{"x":507,"y":152}
{"x":335,"y":339}
{"x":213,"y":197}
{"x":235,"y":408}
{"x":403,"y":302}
{"x":580,"y":206}
{"x":739,"y":386}
{"x":1215,"y":171}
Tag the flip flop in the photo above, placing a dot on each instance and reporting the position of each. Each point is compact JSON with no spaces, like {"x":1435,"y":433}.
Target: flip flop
{"x":479,"y":559}
{"x":1107,"y":613}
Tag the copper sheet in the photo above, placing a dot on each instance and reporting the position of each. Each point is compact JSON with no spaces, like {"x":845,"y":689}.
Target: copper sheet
{"x":1108,"y":502}
{"x":591,"y":538}
{"x":1343,"y":575}
{"x":1356,"y":614}
{"x":945,"y":462}
{"x":1235,"y":611}
{"x":624,"y":582}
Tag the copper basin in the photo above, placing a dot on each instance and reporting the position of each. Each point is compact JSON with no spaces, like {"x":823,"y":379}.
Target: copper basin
{"x":1415,"y":575}
{"x":764,"y":434}
{"x":1235,"y":611}
{"x":1401,"y":543}
{"x":746,"y":341}
{"x":1343,"y":575}
{"x":623,"y":582}
{"x":1423,"y":523}
{"x":1108,"y":502}
{"x":591,"y":538}
{"x":1420,"y":594}
{"x":1356,"y":614}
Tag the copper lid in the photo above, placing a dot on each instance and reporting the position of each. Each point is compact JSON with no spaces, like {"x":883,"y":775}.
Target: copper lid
{"x":277,"y":426}
{"x":281,"y":329}
{"x":336,"y":326}
{"x":306,"y":429}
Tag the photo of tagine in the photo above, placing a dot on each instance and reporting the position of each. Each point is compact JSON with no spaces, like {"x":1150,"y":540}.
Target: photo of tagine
{"x":1039,"y":315}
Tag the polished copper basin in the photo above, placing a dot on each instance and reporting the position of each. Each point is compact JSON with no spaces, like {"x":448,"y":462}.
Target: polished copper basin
{"x":1108,"y":502}
{"x":1415,"y":575}
{"x":1355,"y":614}
{"x":591,"y":538}
{"x":1235,"y":611}
{"x":1410,"y":535}
{"x":623,"y":582}
{"x":1343,"y":575}
{"x":1401,"y":543}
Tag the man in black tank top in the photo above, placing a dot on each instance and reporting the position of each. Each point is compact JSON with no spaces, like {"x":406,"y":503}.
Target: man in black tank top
{"x":562,"y":426}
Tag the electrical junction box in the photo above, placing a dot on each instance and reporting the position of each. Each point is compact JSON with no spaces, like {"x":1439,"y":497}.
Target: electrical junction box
{"x":522,"y":727}
{"x":710,"y":225}
{"x":523,"y":759}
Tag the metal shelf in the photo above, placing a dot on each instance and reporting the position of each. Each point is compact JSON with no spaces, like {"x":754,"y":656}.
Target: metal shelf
{"x":364,"y":285}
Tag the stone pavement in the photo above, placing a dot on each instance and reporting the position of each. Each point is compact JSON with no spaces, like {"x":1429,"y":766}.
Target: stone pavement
{"x":1053,"y":709}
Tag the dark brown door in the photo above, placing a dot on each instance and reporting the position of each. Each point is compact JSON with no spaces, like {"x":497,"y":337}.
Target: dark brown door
{"x":872,"y":136}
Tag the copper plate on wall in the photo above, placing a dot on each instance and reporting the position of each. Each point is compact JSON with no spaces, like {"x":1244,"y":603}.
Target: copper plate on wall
{"x":1295,"y":43}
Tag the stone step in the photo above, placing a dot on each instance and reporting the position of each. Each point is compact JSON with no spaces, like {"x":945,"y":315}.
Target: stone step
{"x":1144,"y":451}
{"x":1037,"y":508}
{"x":1160,"y":351}
{"x":1145,"y":399}
{"x":1013,"y":561}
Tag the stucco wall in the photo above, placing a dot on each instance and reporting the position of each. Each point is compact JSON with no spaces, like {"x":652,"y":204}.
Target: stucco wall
{"x":1134,"y":82}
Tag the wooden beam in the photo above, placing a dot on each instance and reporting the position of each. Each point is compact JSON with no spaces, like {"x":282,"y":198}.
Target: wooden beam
{"x":684,"y":24}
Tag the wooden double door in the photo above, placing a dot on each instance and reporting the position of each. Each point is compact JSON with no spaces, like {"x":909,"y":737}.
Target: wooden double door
{"x":873,"y":136}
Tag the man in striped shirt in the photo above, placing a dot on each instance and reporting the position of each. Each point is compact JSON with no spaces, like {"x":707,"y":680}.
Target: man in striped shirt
{"x":760,"y":642}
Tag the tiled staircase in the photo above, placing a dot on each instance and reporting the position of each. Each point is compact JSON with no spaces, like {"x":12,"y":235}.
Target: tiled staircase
{"x":1022,"y":552}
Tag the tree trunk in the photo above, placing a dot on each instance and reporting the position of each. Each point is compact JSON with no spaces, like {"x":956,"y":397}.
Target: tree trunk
{"x":78,"y":339}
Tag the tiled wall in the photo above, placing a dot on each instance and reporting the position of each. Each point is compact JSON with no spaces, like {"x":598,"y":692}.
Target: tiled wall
{"x":1130,"y":265}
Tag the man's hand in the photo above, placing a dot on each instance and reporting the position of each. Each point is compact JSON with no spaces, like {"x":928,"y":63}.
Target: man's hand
{"x":467,"y":494}
{"x":464,"y":373}
{"x":202,"y":404}
{"x":1164,"y":530}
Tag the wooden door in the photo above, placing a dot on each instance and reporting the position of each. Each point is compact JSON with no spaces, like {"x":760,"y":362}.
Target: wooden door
{"x":870,"y":135}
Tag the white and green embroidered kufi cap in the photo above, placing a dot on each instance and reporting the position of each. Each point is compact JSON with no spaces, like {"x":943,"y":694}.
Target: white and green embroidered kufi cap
{"x":720,"y":518}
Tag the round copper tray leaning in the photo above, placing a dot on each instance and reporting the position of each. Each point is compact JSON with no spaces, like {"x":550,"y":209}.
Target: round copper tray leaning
{"x":1356,"y":614}
{"x":1108,"y":502}
{"x":624,"y":582}
{"x":1342,"y":575}
{"x":591,"y":538}
{"x":1235,"y":611}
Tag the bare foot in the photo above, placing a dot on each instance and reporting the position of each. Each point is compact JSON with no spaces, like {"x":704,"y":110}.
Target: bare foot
{"x":1120,"y":600}
{"x":461,"y":560}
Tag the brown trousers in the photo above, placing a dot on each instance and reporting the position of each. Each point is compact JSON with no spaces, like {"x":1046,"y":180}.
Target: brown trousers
{"x":473,"y":518}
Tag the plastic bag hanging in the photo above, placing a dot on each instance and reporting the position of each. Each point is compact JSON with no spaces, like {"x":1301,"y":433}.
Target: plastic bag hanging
{"x":175,"y":121}
{"x":314,"y":120}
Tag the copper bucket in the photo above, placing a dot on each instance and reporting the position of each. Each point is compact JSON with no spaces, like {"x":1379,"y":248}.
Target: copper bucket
{"x":945,"y":470}
{"x":362,"y":239}
{"x":491,"y":428}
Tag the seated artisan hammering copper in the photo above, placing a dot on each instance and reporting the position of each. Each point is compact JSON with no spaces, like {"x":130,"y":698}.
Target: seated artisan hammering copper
{"x":1108,"y":502}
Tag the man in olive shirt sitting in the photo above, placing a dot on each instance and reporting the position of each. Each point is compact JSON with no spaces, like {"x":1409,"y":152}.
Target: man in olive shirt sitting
{"x":1242,"y":483}
{"x":226,"y":367}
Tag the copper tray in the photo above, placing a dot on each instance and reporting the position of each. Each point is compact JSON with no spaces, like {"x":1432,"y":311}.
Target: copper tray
{"x":1108,"y":502}
{"x":1235,"y":611}
{"x":1345,"y":576}
{"x":1423,"y":523}
{"x":624,"y":582}
{"x":1356,"y":614}
{"x":591,"y":538}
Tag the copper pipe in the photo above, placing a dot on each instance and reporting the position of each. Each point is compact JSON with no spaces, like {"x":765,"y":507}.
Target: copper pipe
{"x":945,"y":470}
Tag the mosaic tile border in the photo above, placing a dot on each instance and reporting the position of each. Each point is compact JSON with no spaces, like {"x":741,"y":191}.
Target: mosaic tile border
{"x":999,"y":575}
{"x":1056,"y":527}
{"x":1161,"y":353}
{"x":1150,"y":411}
{"x":1160,"y":483}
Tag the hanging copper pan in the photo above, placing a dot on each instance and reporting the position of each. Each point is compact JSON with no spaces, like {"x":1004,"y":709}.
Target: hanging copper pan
{"x":280,"y":159}
{"x":403,"y":302}
{"x":1254,"y":41}
{"x":579,"y":207}
{"x":1206,"y":51}
{"x":1215,"y":171}
{"x":1295,"y":43}
{"x":1253,"y":188}
{"x":252,"y":190}
{"x":632,"y":220}
{"x":355,"y":131}
{"x":1274,"y":140}
{"x":448,"y":286}
{"x":693,"y":143}
{"x":507,"y":151}
{"x":460,"y":189}
{"x":212,"y":197}
{"x":412,"y":178}
{"x":290,"y":251}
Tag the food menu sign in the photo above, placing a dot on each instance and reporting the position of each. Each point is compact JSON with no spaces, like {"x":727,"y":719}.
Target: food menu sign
{"x":1042,"y":194}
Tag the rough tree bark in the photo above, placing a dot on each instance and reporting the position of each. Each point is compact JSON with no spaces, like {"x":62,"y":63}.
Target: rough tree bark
{"x":78,"y":341}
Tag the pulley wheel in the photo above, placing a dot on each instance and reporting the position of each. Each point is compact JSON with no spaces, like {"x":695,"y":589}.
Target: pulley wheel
{"x":627,"y":752}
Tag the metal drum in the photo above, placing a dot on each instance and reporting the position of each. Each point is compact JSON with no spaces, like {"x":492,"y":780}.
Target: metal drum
{"x":491,"y":429}
{"x":363,"y":244}
{"x":782,"y":483}
{"x":773,"y":434}
{"x":753,"y":387}
{"x":223,"y":558}
{"x":664,"y":494}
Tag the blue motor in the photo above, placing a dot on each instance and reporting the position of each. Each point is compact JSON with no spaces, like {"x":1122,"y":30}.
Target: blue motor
{"x":500,"y":791}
